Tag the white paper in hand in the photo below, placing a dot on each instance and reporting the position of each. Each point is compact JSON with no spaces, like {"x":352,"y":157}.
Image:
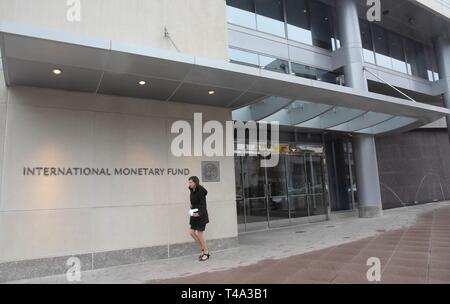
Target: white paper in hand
{"x":192,"y":211}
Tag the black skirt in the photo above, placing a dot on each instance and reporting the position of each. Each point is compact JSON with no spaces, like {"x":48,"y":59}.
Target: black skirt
{"x":198,"y":223}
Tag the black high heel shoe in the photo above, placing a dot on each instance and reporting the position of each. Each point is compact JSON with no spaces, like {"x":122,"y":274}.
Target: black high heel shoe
{"x":207,"y":257}
{"x":200,"y":256}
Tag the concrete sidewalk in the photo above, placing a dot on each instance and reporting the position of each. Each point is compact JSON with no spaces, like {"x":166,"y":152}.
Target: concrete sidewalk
{"x":412,"y":243}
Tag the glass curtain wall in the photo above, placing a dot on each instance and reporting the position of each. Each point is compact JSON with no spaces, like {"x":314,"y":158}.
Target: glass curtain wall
{"x":310,"y":22}
{"x":390,"y":50}
{"x":282,"y":66}
{"x":259,"y":61}
{"x":315,"y":73}
{"x":270,"y":17}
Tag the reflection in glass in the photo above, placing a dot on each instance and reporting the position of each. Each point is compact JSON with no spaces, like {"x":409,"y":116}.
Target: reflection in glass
{"x":297,"y":187}
{"x":316,"y":200}
{"x":366,"y":37}
{"x":274,"y":64}
{"x":327,"y":76}
{"x":239,"y":190}
{"x":321,"y":25}
{"x":381,"y":47}
{"x":298,"y":21}
{"x":397,"y":52}
{"x":277,"y":196}
{"x":294,"y":188}
{"x":254,"y":187}
{"x":415,"y":56}
{"x":241,"y":12}
{"x":305,"y":71}
{"x":242,"y":57}
{"x":433,"y":75}
{"x":259,"y":61}
{"x":270,"y":16}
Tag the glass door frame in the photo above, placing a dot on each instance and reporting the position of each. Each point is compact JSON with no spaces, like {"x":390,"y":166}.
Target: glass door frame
{"x":245,"y":227}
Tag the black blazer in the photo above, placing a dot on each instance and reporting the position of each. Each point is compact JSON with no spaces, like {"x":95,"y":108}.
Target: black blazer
{"x":198,"y":201}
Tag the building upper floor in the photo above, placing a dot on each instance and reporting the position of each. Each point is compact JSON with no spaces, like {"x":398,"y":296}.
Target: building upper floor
{"x":178,"y":50}
{"x":301,"y":37}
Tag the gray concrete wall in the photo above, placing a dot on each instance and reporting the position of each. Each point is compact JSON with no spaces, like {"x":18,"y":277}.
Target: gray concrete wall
{"x":414,"y":166}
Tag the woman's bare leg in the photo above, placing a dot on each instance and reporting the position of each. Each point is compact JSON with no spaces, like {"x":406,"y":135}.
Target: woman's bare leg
{"x":202,"y":240}
{"x":195,"y":237}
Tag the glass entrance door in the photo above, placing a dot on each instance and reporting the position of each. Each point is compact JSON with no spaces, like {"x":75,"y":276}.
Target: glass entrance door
{"x":316,"y":186}
{"x":277,"y":196}
{"x":277,"y":199}
{"x":255,"y":191}
{"x":297,"y":186}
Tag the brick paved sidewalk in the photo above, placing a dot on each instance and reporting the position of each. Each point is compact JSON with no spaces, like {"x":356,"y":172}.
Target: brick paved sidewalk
{"x":418,"y":254}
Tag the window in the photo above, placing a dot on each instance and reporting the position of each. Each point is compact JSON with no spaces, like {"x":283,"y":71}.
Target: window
{"x":366,"y":37}
{"x":258,"y":61}
{"x":304,"y":71}
{"x":390,"y":50}
{"x":321,"y":25}
{"x":415,"y":56}
{"x":282,"y":66}
{"x":241,"y":12}
{"x":311,"y":22}
{"x":397,"y":53}
{"x":315,"y":73}
{"x":270,"y":16}
{"x":432,"y":69}
{"x":273,"y":64}
{"x":307,"y":21}
{"x":381,"y":47}
{"x":242,"y":57}
{"x":337,"y":35}
{"x":298,"y":21}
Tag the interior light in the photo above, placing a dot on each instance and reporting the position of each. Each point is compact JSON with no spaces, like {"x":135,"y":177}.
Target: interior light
{"x":142,"y":82}
{"x":211,"y":92}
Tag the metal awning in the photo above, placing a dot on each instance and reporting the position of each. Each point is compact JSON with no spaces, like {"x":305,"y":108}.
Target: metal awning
{"x":108,"y":67}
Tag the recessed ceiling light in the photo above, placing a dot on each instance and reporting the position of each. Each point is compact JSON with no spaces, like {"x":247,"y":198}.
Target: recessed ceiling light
{"x":211,"y":92}
{"x":57,"y":71}
{"x":142,"y":82}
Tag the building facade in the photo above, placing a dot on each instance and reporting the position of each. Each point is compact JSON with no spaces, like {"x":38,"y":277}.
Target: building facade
{"x":90,"y":92}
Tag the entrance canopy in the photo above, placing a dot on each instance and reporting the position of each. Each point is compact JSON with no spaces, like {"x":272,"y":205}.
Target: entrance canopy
{"x":30,"y":56}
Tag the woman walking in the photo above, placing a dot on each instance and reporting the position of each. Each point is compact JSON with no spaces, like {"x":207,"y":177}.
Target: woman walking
{"x":199,"y":219}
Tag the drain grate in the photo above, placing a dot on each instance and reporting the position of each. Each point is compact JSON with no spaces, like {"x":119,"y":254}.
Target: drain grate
{"x":300,"y":231}
{"x":331,"y":226}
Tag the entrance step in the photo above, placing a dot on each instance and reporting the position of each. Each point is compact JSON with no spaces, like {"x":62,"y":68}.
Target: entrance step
{"x":343,"y":214}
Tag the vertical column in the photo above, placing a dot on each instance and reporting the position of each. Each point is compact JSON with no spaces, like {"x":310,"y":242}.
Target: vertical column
{"x":368,"y":183}
{"x":442,"y":46}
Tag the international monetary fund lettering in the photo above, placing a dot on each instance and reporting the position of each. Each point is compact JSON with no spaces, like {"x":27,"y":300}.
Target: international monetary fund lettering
{"x":79,"y":171}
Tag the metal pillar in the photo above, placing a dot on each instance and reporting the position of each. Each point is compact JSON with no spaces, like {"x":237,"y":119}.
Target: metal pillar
{"x":442,"y":46}
{"x":368,"y":183}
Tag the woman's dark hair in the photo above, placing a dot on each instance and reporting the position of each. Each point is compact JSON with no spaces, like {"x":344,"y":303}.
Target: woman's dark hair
{"x":195,"y":180}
